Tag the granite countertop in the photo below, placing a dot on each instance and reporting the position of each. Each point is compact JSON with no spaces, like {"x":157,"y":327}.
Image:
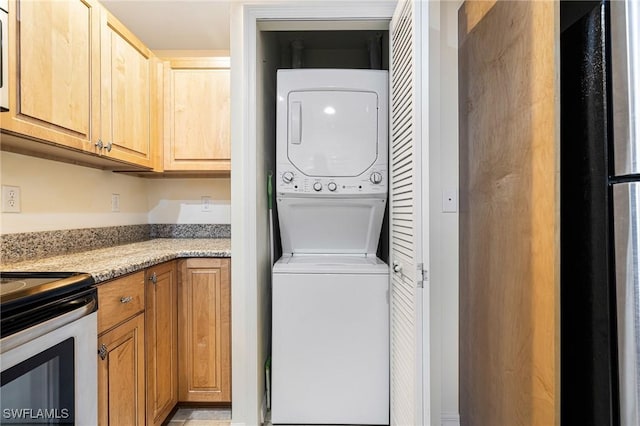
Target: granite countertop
{"x":112,"y":262}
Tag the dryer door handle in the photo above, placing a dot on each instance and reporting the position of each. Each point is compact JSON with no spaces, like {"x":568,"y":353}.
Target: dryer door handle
{"x":296,"y":122}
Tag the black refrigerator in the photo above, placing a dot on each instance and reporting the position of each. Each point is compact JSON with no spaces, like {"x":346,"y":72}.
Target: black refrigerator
{"x":600,"y":213}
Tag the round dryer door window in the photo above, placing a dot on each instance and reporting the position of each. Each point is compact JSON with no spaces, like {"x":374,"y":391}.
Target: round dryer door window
{"x":332,"y":133}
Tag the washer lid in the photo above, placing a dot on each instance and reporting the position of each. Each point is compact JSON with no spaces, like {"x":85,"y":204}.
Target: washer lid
{"x":320,"y":225}
{"x":330,"y":264}
{"x":332,"y":132}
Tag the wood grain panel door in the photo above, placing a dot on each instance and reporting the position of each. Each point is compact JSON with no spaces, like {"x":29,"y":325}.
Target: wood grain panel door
{"x":161,"y":331}
{"x":54,"y":71}
{"x":197,"y":115}
{"x":126,"y":94}
{"x":204,"y":324}
{"x":121,"y":378}
{"x":509,"y":213}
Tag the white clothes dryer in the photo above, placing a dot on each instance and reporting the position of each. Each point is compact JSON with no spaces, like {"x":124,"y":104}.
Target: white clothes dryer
{"x":331,"y":149}
{"x":332,"y":132}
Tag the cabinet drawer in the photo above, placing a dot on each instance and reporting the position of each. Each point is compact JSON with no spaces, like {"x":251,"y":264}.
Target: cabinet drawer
{"x":120,"y":299}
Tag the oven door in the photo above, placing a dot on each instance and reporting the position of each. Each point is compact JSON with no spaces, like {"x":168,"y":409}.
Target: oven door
{"x":52,"y":378}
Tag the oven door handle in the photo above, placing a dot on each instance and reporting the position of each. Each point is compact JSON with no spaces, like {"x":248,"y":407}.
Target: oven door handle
{"x":32,"y":333}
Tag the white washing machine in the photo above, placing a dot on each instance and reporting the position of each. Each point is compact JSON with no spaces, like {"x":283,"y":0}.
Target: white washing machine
{"x":330,"y":328}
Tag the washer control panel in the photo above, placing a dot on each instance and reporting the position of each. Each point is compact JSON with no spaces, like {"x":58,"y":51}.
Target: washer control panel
{"x":292,"y":181}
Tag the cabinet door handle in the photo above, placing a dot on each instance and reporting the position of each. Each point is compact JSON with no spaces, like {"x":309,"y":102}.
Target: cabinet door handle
{"x":108,"y":146}
{"x":99,"y":144}
{"x":153,"y":278}
{"x":103,"y":351}
{"x":126,"y":299}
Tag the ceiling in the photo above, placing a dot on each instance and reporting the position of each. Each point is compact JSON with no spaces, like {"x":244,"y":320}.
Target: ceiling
{"x":175,"y":24}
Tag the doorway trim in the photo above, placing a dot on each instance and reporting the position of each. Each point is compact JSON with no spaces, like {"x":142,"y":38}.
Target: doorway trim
{"x":251,"y":266}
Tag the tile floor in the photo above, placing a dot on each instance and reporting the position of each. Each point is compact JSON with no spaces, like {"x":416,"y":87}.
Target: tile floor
{"x":206,"y":417}
{"x":201,"y":417}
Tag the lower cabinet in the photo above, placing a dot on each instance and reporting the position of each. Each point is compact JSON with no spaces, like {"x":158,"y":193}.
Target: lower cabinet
{"x":121,"y":381}
{"x":161,"y":319}
{"x":121,"y":357}
{"x":121,"y":374}
{"x":204,"y":323}
{"x":164,"y":336}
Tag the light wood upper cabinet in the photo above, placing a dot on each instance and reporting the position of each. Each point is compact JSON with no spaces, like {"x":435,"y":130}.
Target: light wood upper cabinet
{"x":161,"y":330}
{"x":204,"y":324}
{"x":79,"y":79}
{"x":197,"y":115}
{"x":127,"y":72}
{"x":54,"y":67}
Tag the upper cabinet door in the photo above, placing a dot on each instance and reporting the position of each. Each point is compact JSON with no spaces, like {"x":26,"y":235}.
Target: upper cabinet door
{"x":54,"y":71}
{"x":197,"y":115}
{"x":126,"y":94}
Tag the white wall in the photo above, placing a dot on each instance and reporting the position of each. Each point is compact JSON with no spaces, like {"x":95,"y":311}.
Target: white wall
{"x":180,"y":200}
{"x":63,"y":196}
{"x":58,"y":196}
{"x":443,"y":176}
{"x":267,"y":49}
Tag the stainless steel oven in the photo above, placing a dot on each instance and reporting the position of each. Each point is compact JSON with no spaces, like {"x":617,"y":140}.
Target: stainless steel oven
{"x":4,"y":55}
{"x":48,"y":326}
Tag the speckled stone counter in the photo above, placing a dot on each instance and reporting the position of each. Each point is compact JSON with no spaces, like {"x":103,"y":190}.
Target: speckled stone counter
{"x":112,"y":262}
{"x":37,"y":245}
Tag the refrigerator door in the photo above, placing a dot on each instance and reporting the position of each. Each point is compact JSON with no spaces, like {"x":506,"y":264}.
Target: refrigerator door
{"x":625,"y":78}
{"x":626,"y":206}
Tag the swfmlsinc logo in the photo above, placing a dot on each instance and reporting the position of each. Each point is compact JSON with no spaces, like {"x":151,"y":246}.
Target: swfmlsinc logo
{"x":35,"y":414}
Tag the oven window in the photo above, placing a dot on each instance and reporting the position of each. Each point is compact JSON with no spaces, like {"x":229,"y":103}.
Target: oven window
{"x":41,"y":389}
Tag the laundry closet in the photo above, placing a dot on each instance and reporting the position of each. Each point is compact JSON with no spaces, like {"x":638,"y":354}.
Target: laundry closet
{"x":328,"y":163}
{"x":385,"y":38}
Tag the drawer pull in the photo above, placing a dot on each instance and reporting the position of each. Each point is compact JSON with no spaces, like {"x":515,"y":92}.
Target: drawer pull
{"x":126,"y":299}
{"x":154,"y":278}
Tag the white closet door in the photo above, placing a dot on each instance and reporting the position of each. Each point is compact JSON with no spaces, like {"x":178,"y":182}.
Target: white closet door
{"x":406,"y":215}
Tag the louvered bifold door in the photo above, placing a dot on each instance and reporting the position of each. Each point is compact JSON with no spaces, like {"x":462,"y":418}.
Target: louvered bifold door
{"x":406,"y":217}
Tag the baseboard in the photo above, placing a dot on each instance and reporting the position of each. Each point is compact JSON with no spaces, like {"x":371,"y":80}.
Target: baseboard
{"x":450,"y":419}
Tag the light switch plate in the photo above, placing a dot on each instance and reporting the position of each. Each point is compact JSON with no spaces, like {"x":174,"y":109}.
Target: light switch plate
{"x":449,"y":201}
{"x":115,"y":202}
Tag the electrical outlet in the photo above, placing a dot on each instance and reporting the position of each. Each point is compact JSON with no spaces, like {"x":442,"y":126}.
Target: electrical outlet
{"x":10,"y":199}
{"x":115,"y":202}
{"x":206,"y":203}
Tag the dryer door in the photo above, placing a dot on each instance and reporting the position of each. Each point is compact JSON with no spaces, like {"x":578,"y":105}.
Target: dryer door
{"x":332,"y":133}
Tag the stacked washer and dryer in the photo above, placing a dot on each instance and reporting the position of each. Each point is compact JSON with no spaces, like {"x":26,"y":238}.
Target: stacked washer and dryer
{"x":330,"y":329}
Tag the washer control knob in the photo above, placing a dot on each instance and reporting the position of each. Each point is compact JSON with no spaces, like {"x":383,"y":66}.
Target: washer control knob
{"x":332,"y":186}
{"x":287,"y":177}
{"x":376,"y":177}
{"x":317,"y":186}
